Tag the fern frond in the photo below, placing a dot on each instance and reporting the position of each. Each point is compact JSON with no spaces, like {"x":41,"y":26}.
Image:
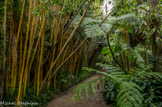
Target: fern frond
{"x":129,"y":93}
{"x":93,"y":87}
{"x":149,"y":75}
{"x":124,"y":89}
{"x":86,"y":88}
{"x":86,"y":92}
{"x":109,"y":68}
{"x":128,"y":18}
{"x":91,"y":21}
{"x":106,"y":27}
{"x":93,"y":30}
{"x":137,"y":56}
{"x":89,"y":69}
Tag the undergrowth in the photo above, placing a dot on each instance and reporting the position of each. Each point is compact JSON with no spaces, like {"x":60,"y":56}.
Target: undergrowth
{"x":137,"y":89}
{"x":66,"y":80}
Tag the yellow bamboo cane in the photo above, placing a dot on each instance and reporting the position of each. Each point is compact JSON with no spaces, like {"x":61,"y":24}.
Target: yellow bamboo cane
{"x":20,"y":84}
{"x":40,"y":63}
{"x":67,"y":42}
{"x":15,"y":49}
{"x":26,"y":72}
{"x":66,"y":60}
{"x":25,"y":46}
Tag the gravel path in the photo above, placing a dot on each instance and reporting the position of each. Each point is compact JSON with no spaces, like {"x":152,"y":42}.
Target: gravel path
{"x":94,"y":100}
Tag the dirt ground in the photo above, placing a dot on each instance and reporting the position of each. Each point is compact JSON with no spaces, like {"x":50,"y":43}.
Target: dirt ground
{"x":94,"y":100}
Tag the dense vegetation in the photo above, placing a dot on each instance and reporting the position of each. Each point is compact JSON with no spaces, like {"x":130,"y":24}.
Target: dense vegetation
{"x":45,"y":43}
{"x":131,"y":64}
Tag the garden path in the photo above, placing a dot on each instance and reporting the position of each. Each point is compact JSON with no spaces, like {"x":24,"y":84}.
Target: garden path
{"x":94,"y":100}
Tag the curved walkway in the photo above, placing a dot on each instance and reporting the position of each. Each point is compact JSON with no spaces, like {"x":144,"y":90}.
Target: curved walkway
{"x":94,"y":100}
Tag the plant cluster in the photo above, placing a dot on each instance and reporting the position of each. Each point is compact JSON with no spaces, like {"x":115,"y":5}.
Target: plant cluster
{"x":46,"y":42}
{"x":138,"y":89}
{"x":131,"y":63}
{"x":65,"y":81}
{"x":38,"y":42}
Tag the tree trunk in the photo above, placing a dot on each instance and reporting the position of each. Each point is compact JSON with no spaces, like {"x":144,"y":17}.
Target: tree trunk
{"x":156,"y":46}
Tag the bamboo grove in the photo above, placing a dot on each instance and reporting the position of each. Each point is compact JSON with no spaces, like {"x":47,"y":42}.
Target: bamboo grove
{"x":39,"y":41}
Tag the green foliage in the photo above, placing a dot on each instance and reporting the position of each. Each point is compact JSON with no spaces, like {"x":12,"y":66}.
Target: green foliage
{"x":44,"y":97}
{"x":1,"y":9}
{"x":132,"y":19}
{"x":134,"y":54}
{"x":137,"y":89}
{"x":137,"y":57}
{"x":129,"y":95}
{"x":92,"y":29}
{"x":66,"y":80}
{"x":110,"y":91}
{"x":150,"y":83}
{"x":85,"y":89}
{"x":128,"y":19}
{"x":106,"y":67}
{"x":130,"y":32}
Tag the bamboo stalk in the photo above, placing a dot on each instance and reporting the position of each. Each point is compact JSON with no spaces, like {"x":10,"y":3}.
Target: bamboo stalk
{"x":40,"y":63}
{"x":107,"y":16}
{"x":35,"y":50}
{"x":21,"y":54}
{"x":15,"y":49}
{"x":65,"y":61}
{"x":78,"y":59}
{"x":66,"y":44}
{"x":25,"y":48}
{"x":60,"y":28}
{"x":21,"y":76}
{"x":62,"y":34}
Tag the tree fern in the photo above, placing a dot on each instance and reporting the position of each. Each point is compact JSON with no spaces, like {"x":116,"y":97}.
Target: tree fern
{"x":93,"y":30}
{"x":106,"y":27}
{"x":139,"y":60}
{"x":88,"y":21}
{"x":128,"y":18}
